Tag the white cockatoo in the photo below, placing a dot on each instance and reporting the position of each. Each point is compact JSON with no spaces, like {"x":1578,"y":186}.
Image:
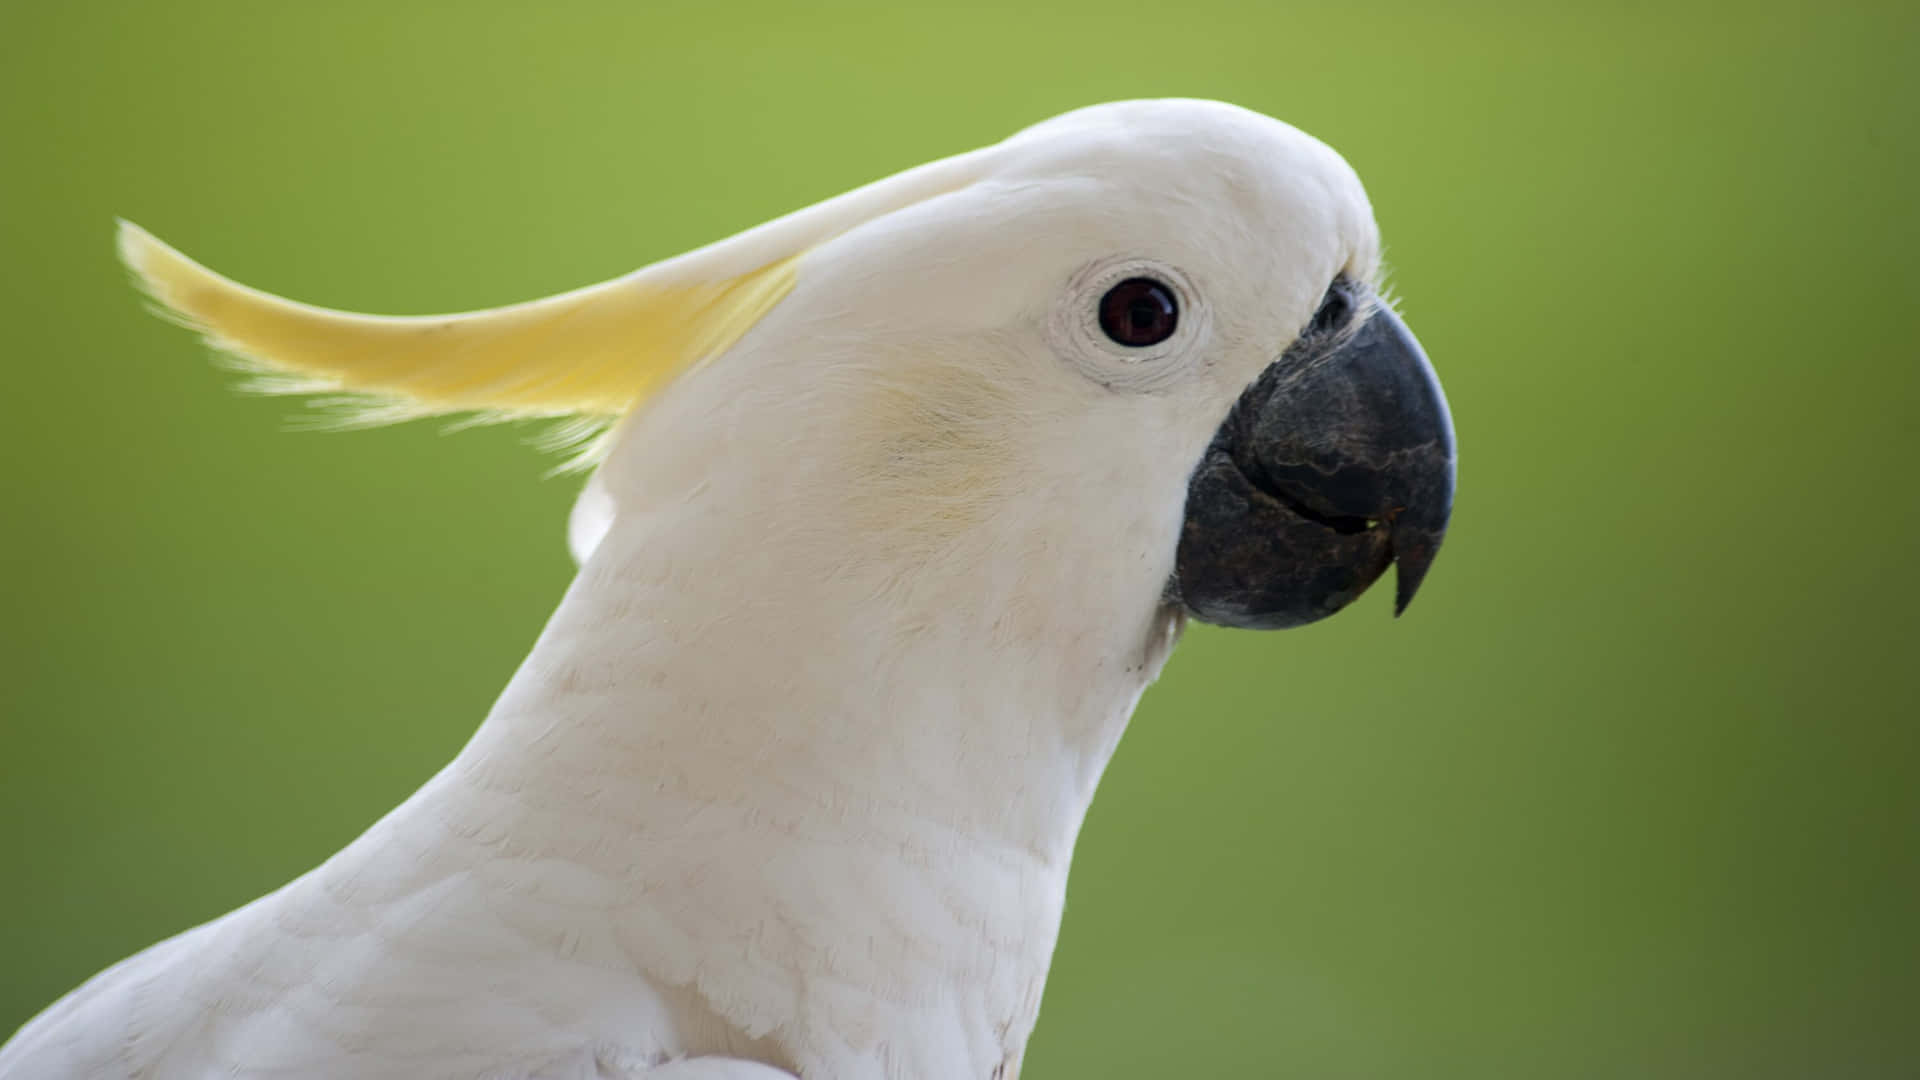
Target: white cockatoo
{"x":906,"y":500}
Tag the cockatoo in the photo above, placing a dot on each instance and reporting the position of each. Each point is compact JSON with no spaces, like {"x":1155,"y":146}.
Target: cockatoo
{"x":905,"y":500}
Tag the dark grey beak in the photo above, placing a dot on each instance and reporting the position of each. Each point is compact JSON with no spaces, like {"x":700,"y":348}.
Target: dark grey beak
{"x":1336,"y":462}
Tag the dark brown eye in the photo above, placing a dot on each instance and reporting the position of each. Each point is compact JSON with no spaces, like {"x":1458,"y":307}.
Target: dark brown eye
{"x":1139,"y":312}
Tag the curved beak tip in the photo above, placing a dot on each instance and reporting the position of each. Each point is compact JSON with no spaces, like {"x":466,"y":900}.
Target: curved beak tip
{"x":1410,"y":571}
{"x":1415,"y":543}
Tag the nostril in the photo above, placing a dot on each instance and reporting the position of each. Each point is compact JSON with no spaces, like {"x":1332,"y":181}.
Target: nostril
{"x":1336,"y":308}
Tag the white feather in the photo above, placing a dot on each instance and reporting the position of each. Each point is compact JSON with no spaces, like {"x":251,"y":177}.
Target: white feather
{"x":794,"y":774}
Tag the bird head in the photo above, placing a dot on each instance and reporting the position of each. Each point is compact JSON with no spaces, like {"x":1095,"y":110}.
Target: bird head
{"x":1140,"y":344}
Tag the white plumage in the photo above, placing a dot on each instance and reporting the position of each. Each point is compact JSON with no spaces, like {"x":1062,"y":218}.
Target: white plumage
{"x":869,"y":588}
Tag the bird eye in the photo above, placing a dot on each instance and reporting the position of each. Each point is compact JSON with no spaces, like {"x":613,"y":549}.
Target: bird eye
{"x":1139,"y":312}
{"x":1335,"y":310}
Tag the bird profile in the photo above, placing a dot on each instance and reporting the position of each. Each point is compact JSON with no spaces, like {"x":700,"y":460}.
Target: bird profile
{"x":901,"y":503}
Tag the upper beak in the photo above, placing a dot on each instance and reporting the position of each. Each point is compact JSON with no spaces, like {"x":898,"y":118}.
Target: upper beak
{"x":1336,"y":462}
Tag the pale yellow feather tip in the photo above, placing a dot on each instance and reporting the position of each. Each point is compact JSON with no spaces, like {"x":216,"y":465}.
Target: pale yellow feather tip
{"x":597,"y":351}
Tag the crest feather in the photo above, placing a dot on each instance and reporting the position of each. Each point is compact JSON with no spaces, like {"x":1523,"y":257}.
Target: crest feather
{"x":591,"y":354}
{"x":599,"y":350}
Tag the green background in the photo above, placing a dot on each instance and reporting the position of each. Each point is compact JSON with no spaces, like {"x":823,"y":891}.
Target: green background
{"x":1630,"y":792}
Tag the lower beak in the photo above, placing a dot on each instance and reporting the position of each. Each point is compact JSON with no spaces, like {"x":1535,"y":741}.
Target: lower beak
{"x":1335,"y":463}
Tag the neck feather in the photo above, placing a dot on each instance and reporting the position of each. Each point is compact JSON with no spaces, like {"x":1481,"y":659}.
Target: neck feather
{"x":835,"y":803}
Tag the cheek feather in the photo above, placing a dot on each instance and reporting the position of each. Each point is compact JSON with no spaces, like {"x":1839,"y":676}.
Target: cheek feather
{"x":931,"y":451}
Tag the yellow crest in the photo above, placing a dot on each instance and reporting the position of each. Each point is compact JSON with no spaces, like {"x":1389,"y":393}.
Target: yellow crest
{"x":595,"y":352}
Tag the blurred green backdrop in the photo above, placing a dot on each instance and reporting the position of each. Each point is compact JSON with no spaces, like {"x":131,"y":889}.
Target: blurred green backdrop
{"x":1630,"y":793}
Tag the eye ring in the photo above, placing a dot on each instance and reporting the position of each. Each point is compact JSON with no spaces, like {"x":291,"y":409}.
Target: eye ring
{"x":1075,"y":331}
{"x":1139,"y":312}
